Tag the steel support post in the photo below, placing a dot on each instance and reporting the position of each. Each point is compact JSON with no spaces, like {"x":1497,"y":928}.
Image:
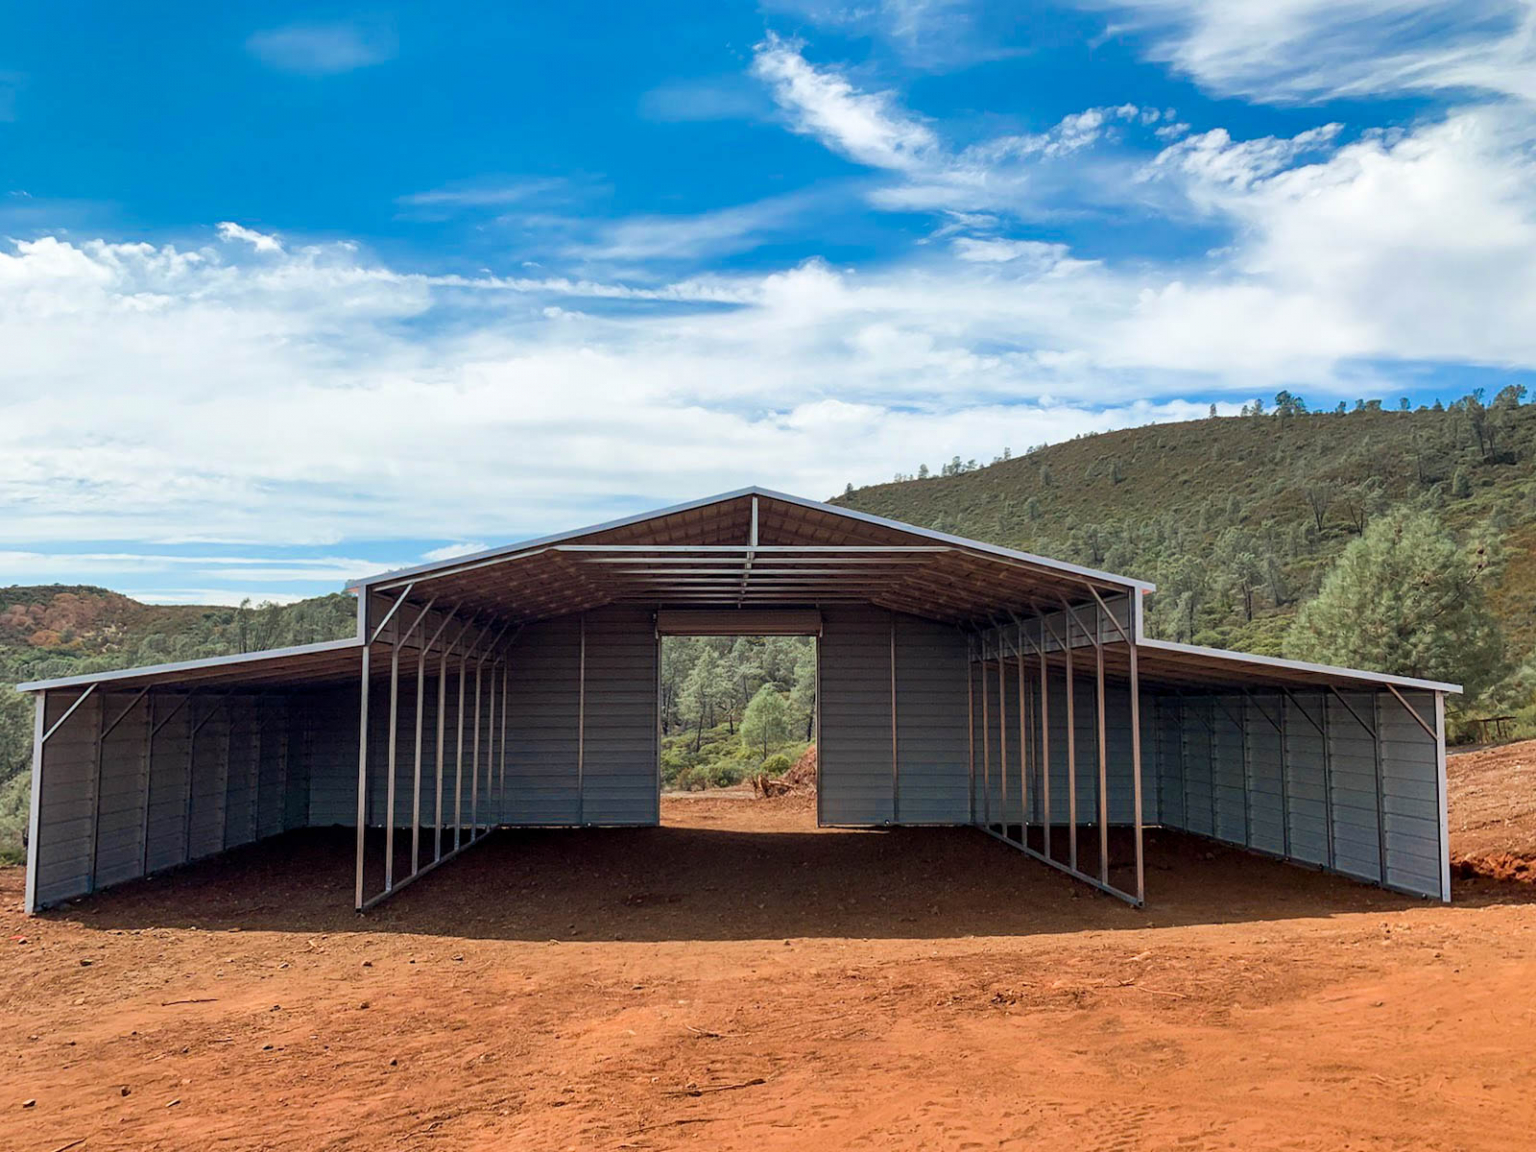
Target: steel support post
{"x":148,"y":762}
{"x":474,"y":780}
{"x":1071,"y":750}
{"x":421,"y":694}
{"x":1002,"y":732}
{"x":1102,"y":742}
{"x":1136,"y":785}
{"x":581,"y":726}
{"x":458,"y":760}
{"x":362,"y":774}
{"x":895,"y":757}
{"x":34,"y":814}
{"x":1443,"y":797}
{"x":986,"y":740}
{"x":1045,"y":751}
{"x":442,"y":719}
{"x":970,"y":726}
{"x":389,"y":786}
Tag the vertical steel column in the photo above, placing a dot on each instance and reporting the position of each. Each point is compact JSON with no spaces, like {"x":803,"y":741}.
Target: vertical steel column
{"x":1136,"y":790}
{"x":1322,"y":700}
{"x":1002,"y":732}
{"x":581,"y":726}
{"x":501,"y":786}
{"x":1102,"y":742}
{"x":442,"y":719}
{"x":1045,"y":748}
{"x":1247,"y":779}
{"x":970,"y":725}
{"x":1381,"y":807}
{"x":986,"y":741}
{"x":1024,"y":749}
{"x":474,"y":782}
{"x":389,"y":786}
{"x":1443,"y":796}
{"x":148,"y":760}
{"x":1285,"y":782}
{"x":101,"y":720}
{"x":458,"y":760}
{"x":34,"y":814}
{"x":895,"y":760}
{"x":421,"y":702}
{"x":1071,"y":746}
{"x":362,"y":773}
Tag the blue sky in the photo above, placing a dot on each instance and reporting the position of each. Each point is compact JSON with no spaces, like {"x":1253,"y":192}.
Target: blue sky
{"x":289,"y":294}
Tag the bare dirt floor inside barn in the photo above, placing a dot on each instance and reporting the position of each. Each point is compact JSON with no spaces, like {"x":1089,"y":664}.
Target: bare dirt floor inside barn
{"x":738,"y":979}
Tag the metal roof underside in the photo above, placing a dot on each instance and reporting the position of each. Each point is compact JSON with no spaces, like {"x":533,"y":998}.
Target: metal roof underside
{"x":749,"y":549}
{"x":754,"y":549}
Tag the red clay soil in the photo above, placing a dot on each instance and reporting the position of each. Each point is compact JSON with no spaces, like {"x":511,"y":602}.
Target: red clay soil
{"x":739,"y":979}
{"x":1493,"y":811}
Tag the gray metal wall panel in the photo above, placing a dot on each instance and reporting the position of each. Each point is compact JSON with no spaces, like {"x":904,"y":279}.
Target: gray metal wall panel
{"x":1229,"y":764}
{"x":1198,"y":770}
{"x":332,"y":716}
{"x":1266,"y":800}
{"x":1306,"y":778}
{"x":854,"y":744}
{"x":542,"y":728}
{"x":241,"y":793}
{"x":120,"y":809}
{"x":620,"y":774}
{"x":1352,"y":774}
{"x":272,"y":774}
{"x":931,"y":723}
{"x":62,"y":852}
{"x":1410,"y":794}
{"x":1169,"y":767}
{"x":169,"y":781}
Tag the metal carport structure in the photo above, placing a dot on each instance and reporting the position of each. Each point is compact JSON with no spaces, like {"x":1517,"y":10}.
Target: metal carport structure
{"x":959,"y":683}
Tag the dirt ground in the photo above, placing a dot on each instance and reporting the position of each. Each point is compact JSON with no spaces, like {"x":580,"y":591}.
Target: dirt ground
{"x":1493,"y":810}
{"x":738,"y":979}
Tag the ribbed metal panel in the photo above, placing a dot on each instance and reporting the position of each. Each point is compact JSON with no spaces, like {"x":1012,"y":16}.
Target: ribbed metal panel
{"x":542,"y":731}
{"x":619,"y":749}
{"x":930,"y":723}
{"x":63,"y":847}
{"x":854,"y":744}
{"x":1296,"y":775}
{"x":169,"y":779}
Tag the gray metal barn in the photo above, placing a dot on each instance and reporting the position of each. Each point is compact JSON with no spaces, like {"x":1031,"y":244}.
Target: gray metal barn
{"x":959,"y":683}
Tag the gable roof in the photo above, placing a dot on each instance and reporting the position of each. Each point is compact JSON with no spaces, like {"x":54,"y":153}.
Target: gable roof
{"x":752,"y":547}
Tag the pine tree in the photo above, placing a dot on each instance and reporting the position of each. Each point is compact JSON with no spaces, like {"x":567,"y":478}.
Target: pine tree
{"x":1403,"y":598}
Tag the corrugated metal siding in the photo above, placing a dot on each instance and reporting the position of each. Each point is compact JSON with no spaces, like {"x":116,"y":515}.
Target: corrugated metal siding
{"x":1306,"y":778}
{"x":542,"y":782}
{"x":854,"y":744}
{"x":169,"y":780}
{"x":1352,"y":762}
{"x":620,"y":772}
{"x":931,"y":749}
{"x":1309,"y":799}
{"x":62,"y":851}
{"x":120,"y":808}
{"x":1410,"y":794}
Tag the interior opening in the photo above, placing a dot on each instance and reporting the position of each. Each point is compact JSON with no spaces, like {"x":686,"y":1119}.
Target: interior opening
{"x":737,"y":715}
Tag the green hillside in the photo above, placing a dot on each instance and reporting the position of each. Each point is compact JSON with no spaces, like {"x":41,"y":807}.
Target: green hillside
{"x":65,"y":630}
{"x":1237,"y":519}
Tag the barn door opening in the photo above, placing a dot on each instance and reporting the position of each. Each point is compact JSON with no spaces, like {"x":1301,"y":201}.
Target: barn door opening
{"x":737,"y":702}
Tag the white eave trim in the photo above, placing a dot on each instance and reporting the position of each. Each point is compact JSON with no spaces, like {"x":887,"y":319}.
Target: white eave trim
{"x":170,"y":670}
{"x":1230,"y":657}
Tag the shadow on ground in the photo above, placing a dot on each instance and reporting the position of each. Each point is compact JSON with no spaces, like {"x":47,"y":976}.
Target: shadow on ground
{"x":680,"y":883}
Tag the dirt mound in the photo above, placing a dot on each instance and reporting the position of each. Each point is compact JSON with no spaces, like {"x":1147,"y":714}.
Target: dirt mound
{"x":799,"y":780}
{"x":1493,"y":809}
{"x":1496,"y":866}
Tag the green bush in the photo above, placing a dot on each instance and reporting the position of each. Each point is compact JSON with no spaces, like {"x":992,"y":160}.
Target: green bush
{"x":15,"y":808}
{"x":777,"y":764}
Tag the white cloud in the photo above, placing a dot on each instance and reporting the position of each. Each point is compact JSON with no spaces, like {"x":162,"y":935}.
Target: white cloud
{"x":324,"y":49}
{"x":449,"y":551}
{"x":1286,"y":51}
{"x":869,"y":127}
{"x":257,"y":240}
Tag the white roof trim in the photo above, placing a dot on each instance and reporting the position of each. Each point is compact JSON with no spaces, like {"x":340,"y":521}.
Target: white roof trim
{"x":1228,"y":656}
{"x":508,"y":551}
{"x":160,"y":670}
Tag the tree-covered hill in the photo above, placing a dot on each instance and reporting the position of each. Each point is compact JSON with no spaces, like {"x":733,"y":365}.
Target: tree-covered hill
{"x":1238,"y":519}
